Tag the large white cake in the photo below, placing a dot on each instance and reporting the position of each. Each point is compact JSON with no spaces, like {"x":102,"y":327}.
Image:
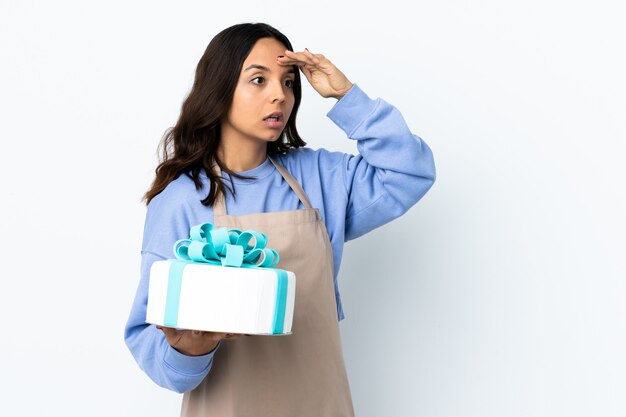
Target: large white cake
{"x":201,"y":296}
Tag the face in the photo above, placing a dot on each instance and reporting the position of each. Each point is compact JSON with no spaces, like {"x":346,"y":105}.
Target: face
{"x":264,"y":88}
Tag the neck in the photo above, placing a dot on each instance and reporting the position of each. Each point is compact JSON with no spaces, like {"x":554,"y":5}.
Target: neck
{"x":241,"y":156}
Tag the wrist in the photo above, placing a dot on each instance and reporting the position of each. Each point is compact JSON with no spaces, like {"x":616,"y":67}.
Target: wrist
{"x":343,"y":92}
{"x":204,"y":350}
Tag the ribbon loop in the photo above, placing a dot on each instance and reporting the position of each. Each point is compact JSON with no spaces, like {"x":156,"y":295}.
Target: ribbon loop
{"x":226,"y":247}
{"x":200,"y":231}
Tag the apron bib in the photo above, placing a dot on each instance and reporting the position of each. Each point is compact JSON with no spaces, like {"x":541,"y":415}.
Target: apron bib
{"x":299,"y":375}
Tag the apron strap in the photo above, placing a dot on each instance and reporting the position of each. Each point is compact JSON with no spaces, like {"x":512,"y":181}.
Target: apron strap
{"x":219,"y":209}
{"x":293,"y":183}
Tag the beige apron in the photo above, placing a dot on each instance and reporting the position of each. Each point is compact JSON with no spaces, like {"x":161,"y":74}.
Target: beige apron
{"x":298,"y":375}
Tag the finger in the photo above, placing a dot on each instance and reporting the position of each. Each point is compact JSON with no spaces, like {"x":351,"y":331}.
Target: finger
{"x":288,"y":56}
{"x":299,"y":58}
{"x":172,"y":335}
{"x":215,"y":336}
{"x":311,"y":56}
{"x":287,"y":61}
{"x":168,"y":331}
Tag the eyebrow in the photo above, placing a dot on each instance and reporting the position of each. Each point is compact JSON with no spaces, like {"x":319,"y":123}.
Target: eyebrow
{"x":291,"y":70}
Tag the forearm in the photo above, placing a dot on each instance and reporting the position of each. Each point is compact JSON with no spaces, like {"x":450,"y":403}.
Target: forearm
{"x":394,"y":168}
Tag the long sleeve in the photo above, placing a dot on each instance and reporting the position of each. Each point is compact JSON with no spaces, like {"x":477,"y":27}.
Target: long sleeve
{"x":162,"y":363}
{"x":394,"y":168}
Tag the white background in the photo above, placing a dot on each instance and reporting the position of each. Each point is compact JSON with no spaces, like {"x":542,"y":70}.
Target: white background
{"x":501,"y":293}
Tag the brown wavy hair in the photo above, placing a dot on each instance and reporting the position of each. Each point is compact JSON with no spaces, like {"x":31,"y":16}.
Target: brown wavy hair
{"x":190,"y":147}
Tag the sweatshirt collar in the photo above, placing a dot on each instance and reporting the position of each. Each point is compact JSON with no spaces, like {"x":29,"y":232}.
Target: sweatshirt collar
{"x":259,"y":172}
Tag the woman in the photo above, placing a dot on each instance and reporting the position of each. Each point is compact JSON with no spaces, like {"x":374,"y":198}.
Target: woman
{"x":235,"y":159}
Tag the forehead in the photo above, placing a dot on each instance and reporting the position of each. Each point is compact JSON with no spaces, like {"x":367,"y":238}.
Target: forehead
{"x":264,"y":52}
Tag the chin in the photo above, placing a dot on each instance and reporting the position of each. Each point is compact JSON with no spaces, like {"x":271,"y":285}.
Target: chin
{"x":271,"y":138}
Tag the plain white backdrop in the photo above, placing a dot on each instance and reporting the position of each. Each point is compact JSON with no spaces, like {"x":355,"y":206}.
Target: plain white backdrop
{"x":501,"y":293}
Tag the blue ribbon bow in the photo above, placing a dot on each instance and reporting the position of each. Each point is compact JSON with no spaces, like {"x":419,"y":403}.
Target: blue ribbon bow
{"x":226,"y":247}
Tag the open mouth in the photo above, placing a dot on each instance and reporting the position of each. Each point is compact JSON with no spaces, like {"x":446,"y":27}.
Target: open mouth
{"x":275,"y":120}
{"x":275,"y":116}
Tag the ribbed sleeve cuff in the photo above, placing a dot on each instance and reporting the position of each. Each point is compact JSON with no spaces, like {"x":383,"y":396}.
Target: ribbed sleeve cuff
{"x":189,"y":365}
{"x":351,"y":109}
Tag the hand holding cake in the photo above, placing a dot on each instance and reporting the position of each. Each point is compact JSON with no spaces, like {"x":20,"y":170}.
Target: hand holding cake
{"x":194,"y":342}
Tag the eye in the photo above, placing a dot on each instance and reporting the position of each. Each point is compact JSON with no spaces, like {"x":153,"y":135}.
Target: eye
{"x":257,"y":78}
{"x":289,"y":83}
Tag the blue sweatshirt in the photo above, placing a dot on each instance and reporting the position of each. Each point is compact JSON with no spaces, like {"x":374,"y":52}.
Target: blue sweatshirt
{"x":354,"y":194}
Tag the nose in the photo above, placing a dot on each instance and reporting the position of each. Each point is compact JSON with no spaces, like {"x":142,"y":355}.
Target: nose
{"x":278,"y":93}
